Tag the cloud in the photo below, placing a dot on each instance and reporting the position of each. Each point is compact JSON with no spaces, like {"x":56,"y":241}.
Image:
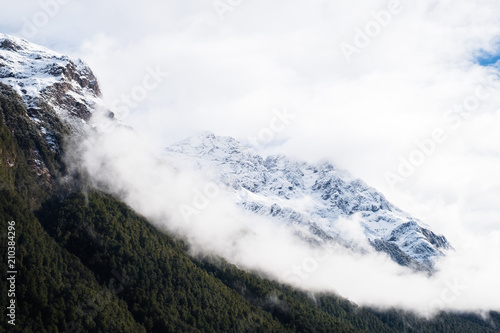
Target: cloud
{"x":230,"y":75}
{"x":190,"y":205}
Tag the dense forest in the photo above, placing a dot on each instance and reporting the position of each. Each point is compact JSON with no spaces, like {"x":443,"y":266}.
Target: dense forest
{"x":88,"y":263}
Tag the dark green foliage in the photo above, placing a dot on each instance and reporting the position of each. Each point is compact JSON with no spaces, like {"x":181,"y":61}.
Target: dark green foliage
{"x":165,"y":290}
{"x":297,"y":311}
{"x":443,"y":323}
{"x":28,"y":164}
{"x":169,"y":291}
{"x":53,"y":288}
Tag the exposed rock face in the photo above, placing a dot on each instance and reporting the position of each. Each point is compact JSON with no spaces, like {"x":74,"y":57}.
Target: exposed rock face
{"x":56,"y":96}
{"x":42,"y":76}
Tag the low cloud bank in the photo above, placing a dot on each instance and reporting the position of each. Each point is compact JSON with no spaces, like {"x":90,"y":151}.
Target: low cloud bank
{"x":188,"y":204}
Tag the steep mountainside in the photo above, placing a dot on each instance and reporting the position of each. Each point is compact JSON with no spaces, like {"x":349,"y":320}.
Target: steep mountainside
{"x":87,"y":263}
{"x":60,"y":93}
{"x":40,"y":75}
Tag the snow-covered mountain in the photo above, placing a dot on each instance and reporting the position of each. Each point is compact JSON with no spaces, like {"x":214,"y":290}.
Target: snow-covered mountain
{"x":53,"y":86}
{"x":61,"y":94}
{"x":38,"y":73}
{"x":318,"y":196}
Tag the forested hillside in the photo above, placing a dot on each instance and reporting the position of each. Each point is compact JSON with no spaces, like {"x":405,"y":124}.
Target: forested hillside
{"x":87,"y":263}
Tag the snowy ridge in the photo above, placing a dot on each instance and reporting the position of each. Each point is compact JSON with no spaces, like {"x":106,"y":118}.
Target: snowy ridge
{"x":315,"y":196}
{"x":37,"y":73}
{"x":51,"y":85}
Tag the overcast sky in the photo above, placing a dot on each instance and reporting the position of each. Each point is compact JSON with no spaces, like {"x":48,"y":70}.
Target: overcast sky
{"x":358,"y":82}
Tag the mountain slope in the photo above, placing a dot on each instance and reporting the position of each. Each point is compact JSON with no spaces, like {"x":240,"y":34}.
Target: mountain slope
{"x":311,"y":195}
{"x":87,"y":263}
{"x":92,"y":273}
{"x":53,"y":288}
{"x":60,"y":94}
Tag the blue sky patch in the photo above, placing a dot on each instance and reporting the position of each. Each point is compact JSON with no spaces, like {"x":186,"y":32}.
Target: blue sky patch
{"x":488,"y":59}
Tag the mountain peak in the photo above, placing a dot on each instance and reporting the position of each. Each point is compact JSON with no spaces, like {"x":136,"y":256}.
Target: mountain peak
{"x":312,"y":196}
{"x":41,"y":75}
{"x":55,"y":88}
{"x":8,"y":42}
{"x":207,"y":143}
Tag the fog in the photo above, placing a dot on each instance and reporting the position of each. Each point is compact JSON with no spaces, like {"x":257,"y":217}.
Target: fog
{"x":190,"y":205}
{"x":403,"y":94}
